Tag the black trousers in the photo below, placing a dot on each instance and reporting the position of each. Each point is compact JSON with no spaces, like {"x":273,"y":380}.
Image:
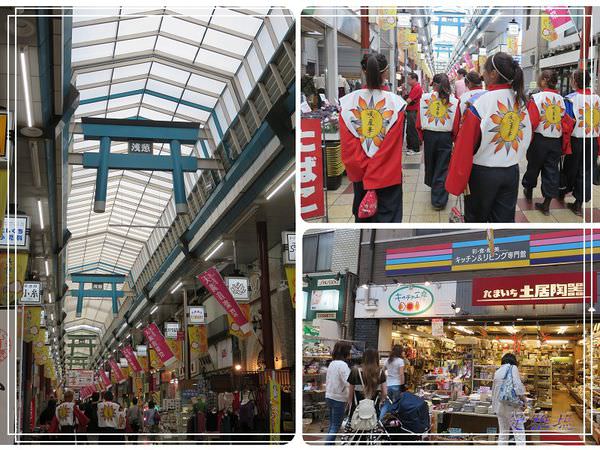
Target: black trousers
{"x":412,"y":137}
{"x":107,"y":434}
{"x":69,"y":433}
{"x":493,"y":196}
{"x":583,"y":167}
{"x":543,"y":156}
{"x":438,"y":148}
{"x":389,"y":204}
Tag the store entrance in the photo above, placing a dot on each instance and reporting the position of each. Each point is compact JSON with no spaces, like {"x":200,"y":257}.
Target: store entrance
{"x":452,"y":364}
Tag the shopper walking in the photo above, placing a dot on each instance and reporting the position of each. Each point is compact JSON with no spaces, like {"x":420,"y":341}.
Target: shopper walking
{"x":108,"y":415}
{"x":413,"y":99}
{"x":460,"y":86}
{"x":492,"y":140}
{"x":367,"y":380}
{"x":91,"y":412}
{"x":474,"y":83}
{"x":371,"y":140}
{"x":581,"y":166}
{"x":395,"y":379}
{"x":336,"y":388}
{"x":438,"y":123}
{"x":510,"y":416}
{"x":152,"y":420}
{"x":135,"y":419}
{"x":66,"y":418}
{"x":549,"y":123}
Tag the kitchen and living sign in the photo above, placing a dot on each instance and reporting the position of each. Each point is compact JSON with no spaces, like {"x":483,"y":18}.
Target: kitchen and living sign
{"x":406,"y":300}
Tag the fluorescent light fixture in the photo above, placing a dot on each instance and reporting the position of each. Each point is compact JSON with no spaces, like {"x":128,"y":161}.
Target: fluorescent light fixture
{"x":496,"y":323}
{"x":153,"y":310}
{"x":427,"y":283}
{"x":51,"y":316}
{"x":562,"y":329}
{"x":47,"y":266}
{"x":84,"y":327}
{"x":511,"y":329}
{"x":49,"y":297}
{"x":128,"y":336}
{"x":123,"y":327}
{"x":139,"y":325}
{"x":557,"y":341}
{"x":211,"y":254}
{"x":39,"y":202}
{"x":463,"y":329}
{"x":519,"y":319}
{"x":280,"y":185}
{"x":452,"y":323}
{"x":470,"y":320}
{"x":25,"y":78}
{"x":175,"y":289}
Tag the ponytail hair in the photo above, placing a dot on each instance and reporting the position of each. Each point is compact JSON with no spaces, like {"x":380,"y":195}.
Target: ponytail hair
{"x":509,"y":70}
{"x":442,"y":83}
{"x":551,"y":78}
{"x":374,"y":64}
{"x":581,"y":78}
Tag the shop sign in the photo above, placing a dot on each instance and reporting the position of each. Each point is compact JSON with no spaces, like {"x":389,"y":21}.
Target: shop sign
{"x":123,"y":362}
{"x":403,"y":20}
{"x":406,"y":300}
{"x":437,"y":327}
{"x":140,"y":147}
{"x":98,"y":286}
{"x":326,"y":282}
{"x":327,"y":315}
{"x":534,"y":289}
{"x":325,"y":300}
{"x":312,"y":196}
{"x":159,"y":344}
{"x":32,"y":291}
{"x":142,"y":350}
{"x":234,"y":329}
{"x":289,"y":245}
{"x":171,"y":330}
{"x":196,"y":315}
{"x":290,"y":275}
{"x":212,"y":280}
{"x":15,"y":232}
{"x":239,"y":288}
{"x":77,"y":378}
{"x":3,"y":134}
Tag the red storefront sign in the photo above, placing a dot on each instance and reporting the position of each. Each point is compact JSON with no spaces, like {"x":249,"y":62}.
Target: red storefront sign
{"x":213,"y":281}
{"x":131,"y":359}
{"x":159,"y":344}
{"x":312,"y":195}
{"x":548,"y":289}
{"x":116,"y":370}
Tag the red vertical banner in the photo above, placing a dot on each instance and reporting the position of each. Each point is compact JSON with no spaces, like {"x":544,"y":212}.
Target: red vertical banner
{"x":116,"y":370}
{"x":159,"y":344}
{"x":105,"y":379}
{"x":312,"y":195}
{"x":131,"y":359}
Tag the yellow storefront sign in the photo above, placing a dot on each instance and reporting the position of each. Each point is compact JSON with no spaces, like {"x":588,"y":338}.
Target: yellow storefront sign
{"x":32,"y":326}
{"x":17,"y":267}
{"x":290,"y":275}
{"x":197,"y":338}
{"x":155,"y":361}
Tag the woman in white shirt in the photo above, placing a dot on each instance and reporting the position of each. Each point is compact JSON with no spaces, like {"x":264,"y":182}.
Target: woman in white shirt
{"x":510,"y":417}
{"x":336,"y":390}
{"x":395,"y":379}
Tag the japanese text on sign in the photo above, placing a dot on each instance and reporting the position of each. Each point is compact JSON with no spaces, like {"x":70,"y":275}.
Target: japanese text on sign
{"x":312,"y":202}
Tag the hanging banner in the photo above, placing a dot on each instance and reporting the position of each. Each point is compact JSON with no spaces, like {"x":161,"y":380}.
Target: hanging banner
{"x":116,"y":371}
{"x":403,"y":38}
{"x":138,"y":387}
{"x":143,"y":360}
{"x":131,"y":358}
{"x":234,"y":328}
{"x":176,"y":348}
{"x":155,"y":361}
{"x":41,"y":355}
{"x":274,"y":410}
{"x":159,"y":344}
{"x":560,"y":18}
{"x":77,"y":378}
{"x":32,"y":325}
{"x":17,"y":267}
{"x":512,"y":45}
{"x":197,"y":336}
{"x":547,"y":30}
{"x":312,"y":194}
{"x":105,"y":379}
{"x":49,"y":372}
{"x":387,"y":19}
{"x":212,"y":280}
{"x":290,"y":275}
{"x":469,"y":61}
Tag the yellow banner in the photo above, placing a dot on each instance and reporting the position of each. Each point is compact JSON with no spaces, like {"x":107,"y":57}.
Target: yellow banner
{"x":387,"y":19}
{"x":155,"y":361}
{"x":49,"y":371}
{"x":290,"y":274}
{"x":3,"y":134}
{"x":403,"y":38}
{"x":143,"y":360}
{"x":198,"y":340}
{"x":275,"y":409}
{"x":32,"y":327}
{"x":41,"y":355}
{"x":234,"y":328}
{"x":547,"y":29}
{"x":176,"y":347}
{"x":17,"y":269}
{"x":512,"y":45}
{"x":125,"y":371}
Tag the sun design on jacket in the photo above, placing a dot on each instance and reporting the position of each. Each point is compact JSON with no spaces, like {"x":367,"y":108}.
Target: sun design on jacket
{"x":371,"y":121}
{"x":590,"y":117}
{"x":437,"y":110}
{"x":509,"y":127}
{"x":63,"y":412}
{"x":107,"y":412}
{"x":551,"y":114}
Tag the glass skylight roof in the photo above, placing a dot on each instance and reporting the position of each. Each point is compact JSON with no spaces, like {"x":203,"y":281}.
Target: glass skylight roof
{"x":186,"y":65}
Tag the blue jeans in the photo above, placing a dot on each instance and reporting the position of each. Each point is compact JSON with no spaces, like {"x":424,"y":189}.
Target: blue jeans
{"x":393,"y":393}
{"x":336,"y":416}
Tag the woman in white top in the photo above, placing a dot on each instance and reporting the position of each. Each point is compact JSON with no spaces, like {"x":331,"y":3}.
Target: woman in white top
{"x":336,"y":390}
{"x":510,"y":417}
{"x":395,"y":379}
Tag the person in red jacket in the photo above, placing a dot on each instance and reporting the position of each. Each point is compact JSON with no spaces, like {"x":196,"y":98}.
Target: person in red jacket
{"x":413,"y":99}
{"x":438,"y":123}
{"x":371,"y":135}
{"x":67,"y":418}
{"x":551,"y":127}
{"x":492,"y":140}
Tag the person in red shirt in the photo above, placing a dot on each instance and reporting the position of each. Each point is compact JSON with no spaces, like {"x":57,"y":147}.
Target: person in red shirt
{"x":413,"y":143}
{"x":551,"y":127}
{"x":438,"y":122}
{"x":371,"y":137}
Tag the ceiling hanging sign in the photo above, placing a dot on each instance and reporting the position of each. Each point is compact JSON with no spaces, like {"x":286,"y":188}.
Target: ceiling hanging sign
{"x":116,"y":371}
{"x":171,"y":330}
{"x":196,"y":315}
{"x":560,"y":18}
{"x":15,"y":232}
{"x":239,"y":287}
{"x":212,"y":280}
{"x":131,"y":359}
{"x":78,"y":378}
{"x":406,"y":300}
{"x":32,"y":293}
{"x":141,"y":350}
{"x":159,"y":344}
{"x":288,"y":238}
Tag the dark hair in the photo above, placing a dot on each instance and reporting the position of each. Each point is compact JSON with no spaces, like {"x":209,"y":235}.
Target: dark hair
{"x":371,"y":372}
{"x":551,"y":78}
{"x":510,"y":70}
{"x":108,"y":396}
{"x":509,"y":358}
{"x":95,"y":396}
{"x":474,"y":78}
{"x":582,"y":78}
{"x":134,"y":400}
{"x":462,"y":72}
{"x":374,"y":64}
{"x":341,"y":350}
{"x":396,"y":353}
{"x":414,"y":76}
{"x":151,"y":404}
{"x":443,"y":86}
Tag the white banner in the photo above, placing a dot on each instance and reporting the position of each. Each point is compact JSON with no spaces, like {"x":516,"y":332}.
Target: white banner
{"x":406,"y":300}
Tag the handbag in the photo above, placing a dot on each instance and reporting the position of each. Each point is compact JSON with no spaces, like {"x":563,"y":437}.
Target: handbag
{"x":456,"y":213}
{"x":368,"y":205}
{"x":508,"y":394}
{"x":364,"y":417}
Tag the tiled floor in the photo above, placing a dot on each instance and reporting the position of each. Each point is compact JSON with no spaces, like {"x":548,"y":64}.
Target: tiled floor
{"x":417,"y":203}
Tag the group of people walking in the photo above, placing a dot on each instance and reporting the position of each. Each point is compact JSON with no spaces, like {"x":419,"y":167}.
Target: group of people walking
{"x":98,"y":419}
{"x":473,"y":140}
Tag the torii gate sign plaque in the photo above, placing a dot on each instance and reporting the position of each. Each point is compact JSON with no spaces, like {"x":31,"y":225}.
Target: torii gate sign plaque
{"x":148,"y":131}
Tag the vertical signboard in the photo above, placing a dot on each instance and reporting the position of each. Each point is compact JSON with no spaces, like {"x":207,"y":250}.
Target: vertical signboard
{"x":312,"y":195}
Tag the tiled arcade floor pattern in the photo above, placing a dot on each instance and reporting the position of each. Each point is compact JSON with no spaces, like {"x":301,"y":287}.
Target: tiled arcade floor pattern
{"x":417,"y":200}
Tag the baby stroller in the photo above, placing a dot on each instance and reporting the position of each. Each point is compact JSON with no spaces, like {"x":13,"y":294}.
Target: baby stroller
{"x":408,"y":419}
{"x":374,"y":435}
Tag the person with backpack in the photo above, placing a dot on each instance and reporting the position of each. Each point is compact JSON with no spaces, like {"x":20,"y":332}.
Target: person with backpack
{"x":508,"y":400}
{"x":367,"y":389}
{"x":135,"y":419}
{"x":336,"y":388}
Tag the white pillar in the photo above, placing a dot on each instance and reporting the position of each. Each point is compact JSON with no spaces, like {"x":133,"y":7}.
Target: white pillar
{"x":331,"y":60}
